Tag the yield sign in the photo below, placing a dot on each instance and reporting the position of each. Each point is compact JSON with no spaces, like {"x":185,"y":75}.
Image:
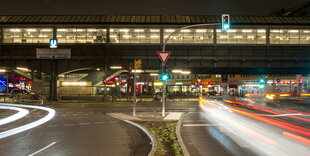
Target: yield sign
{"x":164,"y":56}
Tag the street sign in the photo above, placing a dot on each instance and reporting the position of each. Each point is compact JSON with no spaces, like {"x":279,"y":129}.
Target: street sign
{"x":164,"y":56}
{"x":45,"y":53}
{"x":53,"y":43}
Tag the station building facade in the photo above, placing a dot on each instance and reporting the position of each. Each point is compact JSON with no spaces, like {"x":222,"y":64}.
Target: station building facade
{"x":276,"y":44}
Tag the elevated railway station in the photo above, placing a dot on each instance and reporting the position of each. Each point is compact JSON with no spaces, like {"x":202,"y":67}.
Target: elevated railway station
{"x":253,"y":45}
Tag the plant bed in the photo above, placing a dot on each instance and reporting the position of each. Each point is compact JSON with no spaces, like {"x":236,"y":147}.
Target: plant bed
{"x":165,"y":133}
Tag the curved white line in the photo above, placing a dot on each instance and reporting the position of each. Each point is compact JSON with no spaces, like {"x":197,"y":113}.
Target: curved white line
{"x":50,"y":115}
{"x":21,"y":113}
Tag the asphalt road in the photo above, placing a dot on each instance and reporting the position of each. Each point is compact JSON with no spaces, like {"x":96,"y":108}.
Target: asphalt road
{"x":75,"y":130}
{"x":83,"y":129}
{"x":203,"y":138}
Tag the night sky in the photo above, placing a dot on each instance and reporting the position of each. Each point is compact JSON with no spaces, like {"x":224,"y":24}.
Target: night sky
{"x":144,"y":7}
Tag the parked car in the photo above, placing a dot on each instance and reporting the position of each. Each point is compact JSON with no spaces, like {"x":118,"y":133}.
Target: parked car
{"x":23,"y":94}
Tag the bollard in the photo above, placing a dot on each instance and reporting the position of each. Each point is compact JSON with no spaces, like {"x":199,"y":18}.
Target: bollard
{"x":42,"y":102}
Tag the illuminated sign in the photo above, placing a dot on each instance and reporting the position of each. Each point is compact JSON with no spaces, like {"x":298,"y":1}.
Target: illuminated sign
{"x":286,"y":82}
{"x":53,"y":43}
{"x":178,"y":83}
{"x":206,"y":83}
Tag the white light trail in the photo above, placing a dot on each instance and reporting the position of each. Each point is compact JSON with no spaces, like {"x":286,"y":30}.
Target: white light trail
{"x":21,"y":113}
{"x":262,"y":139}
{"x":49,"y":116}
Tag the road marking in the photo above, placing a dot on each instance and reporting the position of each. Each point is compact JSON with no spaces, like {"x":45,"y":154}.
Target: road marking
{"x":52,"y":125}
{"x":199,"y":125}
{"x":68,"y":124}
{"x":84,"y":123}
{"x":99,"y":122}
{"x":173,"y":116}
{"x":42,"y":149}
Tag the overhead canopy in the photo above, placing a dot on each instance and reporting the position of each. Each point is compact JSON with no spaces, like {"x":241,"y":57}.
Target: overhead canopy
{"x":152,"y":19}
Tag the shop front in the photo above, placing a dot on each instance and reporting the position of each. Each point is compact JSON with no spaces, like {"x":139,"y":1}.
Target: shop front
{"x":207,"y":87}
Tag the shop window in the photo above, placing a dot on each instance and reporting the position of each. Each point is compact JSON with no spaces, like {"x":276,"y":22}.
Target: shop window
{"x":27,"y":35}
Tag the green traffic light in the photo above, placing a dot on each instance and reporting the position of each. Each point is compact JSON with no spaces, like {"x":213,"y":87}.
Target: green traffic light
{"x":226,"y":26}
{"x":164,"y":77}
{"x":262,"y":80}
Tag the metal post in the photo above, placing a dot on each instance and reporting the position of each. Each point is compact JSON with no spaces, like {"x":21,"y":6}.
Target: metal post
{"x":163,"y":94}
{"x":134,"y":93}
{"x":274,"y":84}
{"x":7,"y":84}
{"x":164,"y":48}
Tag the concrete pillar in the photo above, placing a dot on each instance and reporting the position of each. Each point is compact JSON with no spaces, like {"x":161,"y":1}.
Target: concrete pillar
{"x":53,"y":81}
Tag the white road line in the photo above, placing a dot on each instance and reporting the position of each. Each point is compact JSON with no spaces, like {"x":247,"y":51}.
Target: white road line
{"x":83,"y":123}
{"x":21,"y":113}
{"x":199,"y":125}
{"x":69,"y":124}
{"x":49,"y":116}
{"x":52,"y":126}
{"x":42,"y":149}
{"x":99,"y":122}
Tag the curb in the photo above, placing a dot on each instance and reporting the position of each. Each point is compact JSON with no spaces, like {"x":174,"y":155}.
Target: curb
{"x":147,"y":132}
{"x":181,"y":142}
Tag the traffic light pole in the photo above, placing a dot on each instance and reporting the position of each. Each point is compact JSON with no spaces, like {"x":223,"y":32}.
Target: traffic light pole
{"x":134,"y":93}
{"x":164,"y":94}
{"x":163,"y":65}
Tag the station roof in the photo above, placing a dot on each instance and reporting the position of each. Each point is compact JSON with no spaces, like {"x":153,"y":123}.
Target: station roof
{"x":151,"y":19}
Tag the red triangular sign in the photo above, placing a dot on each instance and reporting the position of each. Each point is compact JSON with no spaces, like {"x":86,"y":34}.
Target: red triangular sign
{"x":164,"y":56}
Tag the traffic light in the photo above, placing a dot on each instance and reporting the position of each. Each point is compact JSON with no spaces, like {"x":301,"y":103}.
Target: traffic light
{"x":262,"y":82}
{"x":137,"y":64}
{"x":225,"y":22}
{"x":164,"y":77}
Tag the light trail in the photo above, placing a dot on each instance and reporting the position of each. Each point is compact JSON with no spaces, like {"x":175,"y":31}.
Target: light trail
{"x":262,"y":139}
{"x":267,"y":109}
{"x":21,"y":113}
{"x":49,"y":116}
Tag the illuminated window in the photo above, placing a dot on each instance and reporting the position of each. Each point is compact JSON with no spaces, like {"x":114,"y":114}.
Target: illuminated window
{"x":27,"y":35}
{"x":81,"y":35}
{"x":191,"y":36}
{"x":289,"y":36}
{"x":134,"y":35}
{"x":241,"y":36}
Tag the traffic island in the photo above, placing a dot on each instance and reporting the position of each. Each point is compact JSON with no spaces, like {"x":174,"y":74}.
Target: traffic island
{"x":165,"y":134}
{"x":163,"y":131}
